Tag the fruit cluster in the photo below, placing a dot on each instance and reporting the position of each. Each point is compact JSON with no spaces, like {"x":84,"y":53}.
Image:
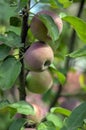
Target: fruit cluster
{"x":39,"y":56}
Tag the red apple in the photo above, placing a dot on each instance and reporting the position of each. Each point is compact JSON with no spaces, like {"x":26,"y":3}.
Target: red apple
{"x":38,"y":56}
{"x":39,"y":29}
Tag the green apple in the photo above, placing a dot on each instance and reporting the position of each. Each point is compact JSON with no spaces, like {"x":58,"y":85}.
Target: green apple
{"x":39,"y":82}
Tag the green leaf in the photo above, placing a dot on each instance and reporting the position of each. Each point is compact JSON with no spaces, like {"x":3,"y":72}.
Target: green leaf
{"x":9,"y":71}
{"x":76,"y":118}
{"x":22,"y":4}
{"x":78,"y":53}
{"x":17,"y":124}
{"x":6,"y":11}
{"x":60,"y":76}
{"x":11,"y":39}
{"x":65,"y":3}
{"x":4,"y":108}
{"x":4,"y":104}
{"x":58,"y":3}
{"x":23,"y":107}
{"x":4,"y":51}
{"x":50,"y":25}
{"x":46,"y":126}
{"x":60,"y":110}
{"x":15,"y":21}
{"x":78,"y":24}
{"x":56,"y":120}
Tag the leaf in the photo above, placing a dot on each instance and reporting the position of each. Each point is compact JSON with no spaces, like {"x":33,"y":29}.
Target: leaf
{"x":9,"y":71}
{"x":15,"y":21}
{"x":65,"y":3}
{"x":60,"y":110}
{"x":6,"y":11}
{"x":17,"y":124}
{"x":4,"y":104}
{"x":60,"y":76}
{"x":22,"y":4}
{"x":46,"y":126}
{"x":4,"y":51}
{"x":78,"y":24}
{"x":56,"y":120}
{"x":11,"y":39}
{"x":50,"y":25}
{"x":76,"y":118}
{"x":4,"y":108}
{"x":58,"y":3}
{"x":78,"y":53}
{"x":23,"y":107}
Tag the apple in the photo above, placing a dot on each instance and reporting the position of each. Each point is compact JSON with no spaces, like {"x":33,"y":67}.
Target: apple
{"x":39,"y":82}
{"x":38,"y":56}
{"x":39,"y":29}
{"x":37,"y":117}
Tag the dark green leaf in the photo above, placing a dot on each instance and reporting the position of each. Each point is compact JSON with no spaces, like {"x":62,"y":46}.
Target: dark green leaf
{"x":61,"y":110}
{"x":50,"y":25}
{"x":78,"y":53}
{"x":4,"y":51}
{"x":9,"y":71}
{"x":15,"y":21}
{"x":79,"y":25}
{"x":46,"y":126}
{"x":60,"y":76}
{"x":17,"y":124}
{"x":23,"y":107}
{"x":76,"y":118}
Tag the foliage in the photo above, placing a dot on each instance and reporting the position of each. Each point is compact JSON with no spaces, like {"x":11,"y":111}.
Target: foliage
{"x":12,"y":13}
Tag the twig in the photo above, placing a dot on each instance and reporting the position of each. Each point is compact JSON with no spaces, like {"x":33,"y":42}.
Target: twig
{"x":24,"y":30}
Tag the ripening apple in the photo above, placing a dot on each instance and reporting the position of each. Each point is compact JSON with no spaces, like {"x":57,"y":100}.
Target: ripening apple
{"x":39,"y":82}
{"x":36,"y":118}
{"x":39,"y":29}
{"x":38,"y":56}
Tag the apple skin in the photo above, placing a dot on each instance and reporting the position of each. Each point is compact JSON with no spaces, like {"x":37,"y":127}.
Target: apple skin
{"x":38,"y":28}
{"x":36,"y":118}
{"x":39,"y":82}
{"x":38,"y":56}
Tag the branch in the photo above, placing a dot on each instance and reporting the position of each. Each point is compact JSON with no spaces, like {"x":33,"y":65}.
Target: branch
{"x":24,"y":30}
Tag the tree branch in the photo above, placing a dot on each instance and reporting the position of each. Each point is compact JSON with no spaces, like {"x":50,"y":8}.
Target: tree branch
{"x":24,"y":30}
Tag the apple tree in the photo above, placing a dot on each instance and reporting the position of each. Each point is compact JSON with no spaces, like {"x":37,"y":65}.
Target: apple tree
{"x":38,"y":41}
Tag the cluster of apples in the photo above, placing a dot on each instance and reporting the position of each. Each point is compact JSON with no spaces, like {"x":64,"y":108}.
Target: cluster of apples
{"x":39,"y":56}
